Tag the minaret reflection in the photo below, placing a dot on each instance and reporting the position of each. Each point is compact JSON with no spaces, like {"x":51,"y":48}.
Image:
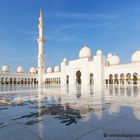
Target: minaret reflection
{"x":40,"y":119}
{"x":100,"y":100}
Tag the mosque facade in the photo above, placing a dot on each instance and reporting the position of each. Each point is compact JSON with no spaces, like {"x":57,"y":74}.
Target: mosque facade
{"x":88,"y":69}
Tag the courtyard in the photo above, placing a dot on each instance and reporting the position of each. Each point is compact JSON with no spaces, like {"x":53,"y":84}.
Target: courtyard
{"x":69,"y":112}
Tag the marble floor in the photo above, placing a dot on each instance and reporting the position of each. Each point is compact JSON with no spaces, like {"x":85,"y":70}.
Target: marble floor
{"x":70,"y":113}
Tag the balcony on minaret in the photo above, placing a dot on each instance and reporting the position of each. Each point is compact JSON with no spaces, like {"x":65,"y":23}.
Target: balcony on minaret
{"x":41,"y":40}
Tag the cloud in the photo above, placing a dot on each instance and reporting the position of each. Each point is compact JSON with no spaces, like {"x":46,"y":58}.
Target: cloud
{"x":30,"y":35}
{"x":29,"y":32}
{"x":86,"y":16}
{"x":79,"y":22}
{"x":58,"y":35}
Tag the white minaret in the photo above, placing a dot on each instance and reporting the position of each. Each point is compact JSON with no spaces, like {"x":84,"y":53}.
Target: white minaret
{"x":41,"y":57}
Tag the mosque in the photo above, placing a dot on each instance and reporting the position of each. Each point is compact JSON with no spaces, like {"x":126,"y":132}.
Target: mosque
{"x":88,"y":69}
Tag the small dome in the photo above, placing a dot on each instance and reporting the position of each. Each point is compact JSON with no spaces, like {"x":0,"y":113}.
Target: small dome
{"x":49,"y":70}
{"x":32,"y":70}
{"x":109,"y":55}
{"x":85,"y":52}
{"x":99,"y":52}
{"x":65,"y":60}
{"x":20,"y":69}
{"x":5,"y":68}
{"x":114,"y":60}
{"x":56,"y":69}
{"x":135,"y":57}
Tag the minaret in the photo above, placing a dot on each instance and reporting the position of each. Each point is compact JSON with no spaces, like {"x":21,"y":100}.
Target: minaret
{"x":41,"y":57}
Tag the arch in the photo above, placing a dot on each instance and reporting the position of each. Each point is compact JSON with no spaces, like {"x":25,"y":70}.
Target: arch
{"x":116,"y":80}
{"x":56,"y":81}
{"x":110,"y":79}
{"x":59,"y":80}
{"x":49,"y":81}
{"x":6,"y":80}
{"x":67,"y":79}
{"x":128,"y":78}
{"x":78,"y":77}
{"x":11,"y":81}
{"x":35,"y":81}
{"x":91,"y":79}
{"x":15,"y":80}
{"x":135,"y":78}
{"x":25,"y":80}
{"x":106,"y":81}
{"x":52,"y":80}
{"x":18,"y":80}
{"x":22,"y":80}
{"x":28,"y":80}
{"x":122,"y":78}
{"x":45,"y":80}
{"x":2,"y":80}
{"x":32,"y":81}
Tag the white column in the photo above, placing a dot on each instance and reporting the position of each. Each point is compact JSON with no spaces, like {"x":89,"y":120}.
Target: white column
{"x":99,"y":78}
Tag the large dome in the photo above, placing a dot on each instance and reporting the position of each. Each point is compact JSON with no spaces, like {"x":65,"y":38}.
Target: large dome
{"x":20,"y":69}
{"x":135,"y":57}
{"x":85,"y":52}
{"x":56,"y":69}
{"x":5,"y":68}
{"x":49,"y":70}
{"x":114,"y":60}
{"x":32,"y":70}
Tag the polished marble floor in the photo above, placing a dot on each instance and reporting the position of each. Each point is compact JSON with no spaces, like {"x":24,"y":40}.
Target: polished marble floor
{"x":70,"y":113}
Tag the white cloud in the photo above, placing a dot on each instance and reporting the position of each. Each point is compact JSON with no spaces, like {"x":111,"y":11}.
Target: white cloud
{"x":86,"y":16}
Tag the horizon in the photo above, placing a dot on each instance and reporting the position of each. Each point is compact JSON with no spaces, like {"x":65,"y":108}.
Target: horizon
{"x":112,"y":26}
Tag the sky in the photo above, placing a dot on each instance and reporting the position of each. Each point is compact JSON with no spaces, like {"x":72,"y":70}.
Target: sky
{"x":110,"y":25}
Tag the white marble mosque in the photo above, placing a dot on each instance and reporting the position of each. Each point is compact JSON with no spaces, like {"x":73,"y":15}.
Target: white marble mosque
{"x":89,"y":69}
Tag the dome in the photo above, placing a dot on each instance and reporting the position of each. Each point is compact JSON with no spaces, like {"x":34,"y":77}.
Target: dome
{"x":5,"y":68}
{"x":114,"y":60}
{"x":32,"y":70}
{"x":99,"y":52}
{"x":109,"y":55}
{"x":20,"y":69}
{"x":49,"y":70}
{"x":56,"y":69}
{"x":65,"y":60}
{"x":135,"y":57}
{"x":85,"y":52}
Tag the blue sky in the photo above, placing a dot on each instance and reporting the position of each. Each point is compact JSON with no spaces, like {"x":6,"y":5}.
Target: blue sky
{"x":109,"y":25}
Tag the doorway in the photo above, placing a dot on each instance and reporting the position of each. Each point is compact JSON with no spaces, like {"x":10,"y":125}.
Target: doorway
{"x":78,"y":77}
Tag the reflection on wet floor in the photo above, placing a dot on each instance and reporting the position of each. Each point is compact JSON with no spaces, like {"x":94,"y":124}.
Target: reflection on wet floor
{"x":64,"y":113}
{"x":70,"y":107}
